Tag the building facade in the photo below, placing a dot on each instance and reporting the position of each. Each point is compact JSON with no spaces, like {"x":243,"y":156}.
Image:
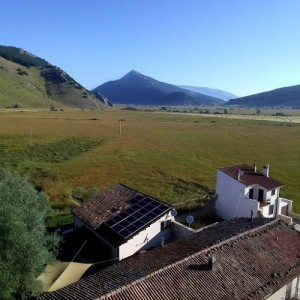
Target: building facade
{"x":243,"y":191}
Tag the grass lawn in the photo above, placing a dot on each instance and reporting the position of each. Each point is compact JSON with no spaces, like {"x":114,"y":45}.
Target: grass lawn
{"x":173,"y":157}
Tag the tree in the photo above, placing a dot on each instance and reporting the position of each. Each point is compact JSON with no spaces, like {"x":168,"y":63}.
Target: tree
{"x":25,"y":246}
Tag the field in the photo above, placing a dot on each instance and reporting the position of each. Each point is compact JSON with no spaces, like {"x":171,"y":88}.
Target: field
{"x":173,"y":157}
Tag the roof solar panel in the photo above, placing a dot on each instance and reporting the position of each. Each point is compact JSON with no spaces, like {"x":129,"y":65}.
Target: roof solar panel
{"x":136,"y":199}
{"x":117,"y":218}
{"x":125,"y":233}
{"x":124,"y":223}
{"x":151,"y":215}
{"x":117,"y":227}
{"x":110,"y":222}
{"x":137,"y":215}
{"x":139,"y":223}
{"x":148,"y":199}
{"x":131,"y":219}
{"x":145,"y":219}
{"x":135,"y":207}
{"x":142,"y":210}
{"x":132,"y":228}
{"x":130,"y":210}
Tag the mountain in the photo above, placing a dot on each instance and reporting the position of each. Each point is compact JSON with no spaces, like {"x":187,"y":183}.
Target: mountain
{"x":286,"y":96}
{"x":210,"y":92}
{"x":136,"y":88}
{"x":27,"y":81}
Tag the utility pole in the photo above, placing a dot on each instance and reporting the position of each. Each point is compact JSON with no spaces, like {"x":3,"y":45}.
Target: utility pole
{"x":120,"y":126}
{"x":30,"y":136}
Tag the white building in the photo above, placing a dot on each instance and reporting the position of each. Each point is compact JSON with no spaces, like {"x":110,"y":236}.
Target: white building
{"x":125,"y":220}
{"x":243,"y":191}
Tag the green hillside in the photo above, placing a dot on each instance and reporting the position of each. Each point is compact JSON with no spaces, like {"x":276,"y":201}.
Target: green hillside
{"x":286,"y":97}
{"x":27,"y":81}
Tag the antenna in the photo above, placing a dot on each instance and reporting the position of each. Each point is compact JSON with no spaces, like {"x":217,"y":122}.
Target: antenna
{"x":173,"y":212}
{"x":189,"y":219}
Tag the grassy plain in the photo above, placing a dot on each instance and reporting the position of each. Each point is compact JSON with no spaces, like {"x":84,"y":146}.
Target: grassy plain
{"x":173,"y":157}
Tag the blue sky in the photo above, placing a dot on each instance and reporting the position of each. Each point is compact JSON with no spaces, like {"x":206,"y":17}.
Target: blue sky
{"x":240,"y":46}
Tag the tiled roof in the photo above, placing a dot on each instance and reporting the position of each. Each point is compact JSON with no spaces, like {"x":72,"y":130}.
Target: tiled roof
{"x":120,"y":213}
{"x":254,"y":259}
{"x":104,"y":206}
{"x":250,"y":177}
{"x":108,"y":205}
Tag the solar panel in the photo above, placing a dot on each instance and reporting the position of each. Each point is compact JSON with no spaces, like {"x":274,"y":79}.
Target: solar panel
{"x":143,"y":210}
{"x":125,"y":233}
{"x":124,"y":223}
{"x":117,"y":218}
{"x":136,"y":199}
{"x":117,"y":227}
{"x":110,"y":222}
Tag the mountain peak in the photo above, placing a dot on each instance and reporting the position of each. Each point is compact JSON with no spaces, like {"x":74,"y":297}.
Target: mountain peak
{"x":133,"y":73}
{"x":139,"y":89}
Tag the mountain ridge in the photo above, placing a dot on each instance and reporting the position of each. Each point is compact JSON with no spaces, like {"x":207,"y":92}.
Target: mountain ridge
{"x":28,"y":81}
{"x":224,"y":95}
{"x":136,"y":88}
{"x":285,"y":96}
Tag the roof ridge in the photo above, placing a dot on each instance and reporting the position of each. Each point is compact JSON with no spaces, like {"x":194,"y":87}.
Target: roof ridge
{"x":206,"y":249}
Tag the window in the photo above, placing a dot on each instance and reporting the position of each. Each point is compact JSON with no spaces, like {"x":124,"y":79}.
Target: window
{"x":251,"y":193}
{"x":273,"y":192}
{"x":271,"y":209}
{"x":165,"y":225}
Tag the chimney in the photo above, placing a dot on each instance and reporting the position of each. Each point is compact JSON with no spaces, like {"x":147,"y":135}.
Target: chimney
{"x":162,"y":241}
{"x":266,"y":170}
{"x":239,"y":175}
{"x":254,"y":166}
{"x":213,"y":263}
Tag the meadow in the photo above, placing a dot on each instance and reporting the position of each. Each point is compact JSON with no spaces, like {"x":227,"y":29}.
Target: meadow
{"x":173,"y":157}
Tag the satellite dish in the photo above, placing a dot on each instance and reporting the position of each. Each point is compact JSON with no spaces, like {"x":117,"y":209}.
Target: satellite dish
{"x":173,"y":212}
{"x":189,"y":219}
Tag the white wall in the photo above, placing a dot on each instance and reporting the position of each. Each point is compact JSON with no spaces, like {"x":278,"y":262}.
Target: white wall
{"x":281,"y":293}
{"x":180,"y":231}
{"x":283,"y":202}
{"x":231,"y":200}
{"x":148,"y":238}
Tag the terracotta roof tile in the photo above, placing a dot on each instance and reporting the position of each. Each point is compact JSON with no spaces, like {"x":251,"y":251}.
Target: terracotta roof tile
{"x":104,"y":206}
{"x":254,"y":259}
{"x":251,"y":177}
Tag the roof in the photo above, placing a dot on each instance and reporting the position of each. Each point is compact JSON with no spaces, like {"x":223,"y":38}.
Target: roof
{"x":120,"y":213}
{"x":254,"y":259}
{"x":250,"y":177}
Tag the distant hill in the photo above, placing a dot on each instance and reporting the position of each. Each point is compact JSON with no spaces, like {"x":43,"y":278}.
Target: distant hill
{"x":27,"y":81}
{"x":210,"y":92}
{"x":136,"y":88}
{"x":286,"y":96}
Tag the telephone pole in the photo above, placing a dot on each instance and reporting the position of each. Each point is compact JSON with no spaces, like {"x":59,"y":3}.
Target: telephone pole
{"x":120,"y":126}
{"x":30,"y":136}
